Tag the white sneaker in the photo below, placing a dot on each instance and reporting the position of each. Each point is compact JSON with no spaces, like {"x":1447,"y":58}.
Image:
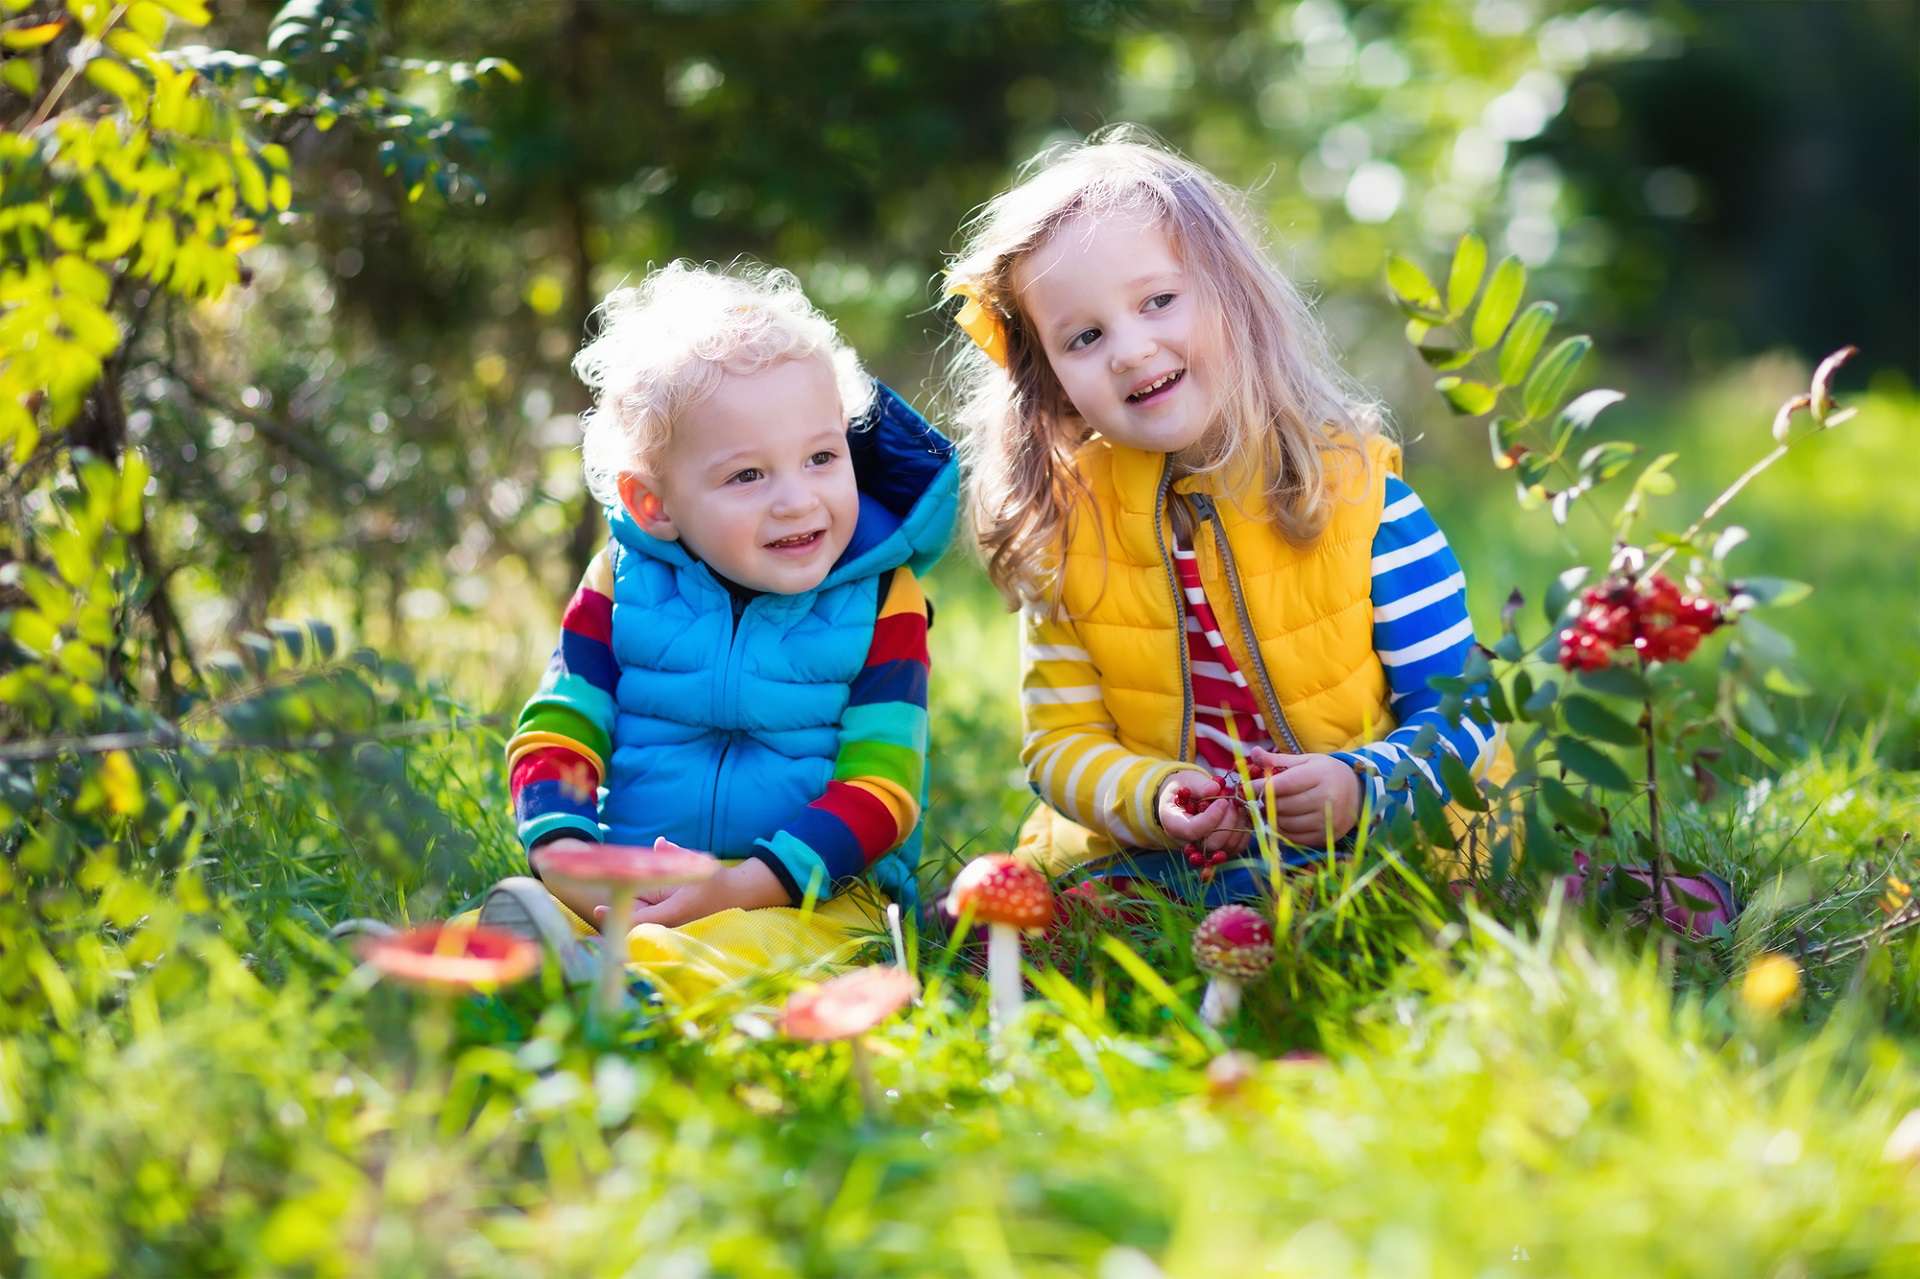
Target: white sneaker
{"x":523,"y":907}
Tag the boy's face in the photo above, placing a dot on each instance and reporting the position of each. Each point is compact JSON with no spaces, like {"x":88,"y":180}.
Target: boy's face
{"x":756,"y":479}
{"x":1118,"y":316}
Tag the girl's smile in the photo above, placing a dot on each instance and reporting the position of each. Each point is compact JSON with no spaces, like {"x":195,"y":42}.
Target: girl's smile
{"x":1122,"y":327}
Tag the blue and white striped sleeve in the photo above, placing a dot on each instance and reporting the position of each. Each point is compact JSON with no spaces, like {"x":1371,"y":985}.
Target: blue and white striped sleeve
{"x":1420,"y":630}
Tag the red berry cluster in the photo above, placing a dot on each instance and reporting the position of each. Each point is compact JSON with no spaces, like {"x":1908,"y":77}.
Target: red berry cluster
{"x":1652,"y":617}
{"x":1193,"y":804}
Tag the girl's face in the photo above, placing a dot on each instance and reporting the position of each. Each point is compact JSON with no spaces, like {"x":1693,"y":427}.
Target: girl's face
{"x":1118,"y":316}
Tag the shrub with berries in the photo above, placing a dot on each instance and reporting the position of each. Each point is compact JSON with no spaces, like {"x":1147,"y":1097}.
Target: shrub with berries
{"x":1649,"y":616}
{"x":1583,"y":722}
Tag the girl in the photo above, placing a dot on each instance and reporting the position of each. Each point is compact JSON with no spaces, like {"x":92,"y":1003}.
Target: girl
{"x":1203,"y":525}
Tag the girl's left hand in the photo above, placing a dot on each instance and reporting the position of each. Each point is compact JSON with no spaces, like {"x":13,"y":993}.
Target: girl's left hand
{"x":1316,"y":798}
{"x":747,"y":885}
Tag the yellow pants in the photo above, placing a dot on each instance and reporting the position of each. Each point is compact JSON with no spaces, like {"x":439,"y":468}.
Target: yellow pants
{"x":733,"y":947}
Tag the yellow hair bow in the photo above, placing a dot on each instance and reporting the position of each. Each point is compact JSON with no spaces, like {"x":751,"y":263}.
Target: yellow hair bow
{"x":981,"y":323}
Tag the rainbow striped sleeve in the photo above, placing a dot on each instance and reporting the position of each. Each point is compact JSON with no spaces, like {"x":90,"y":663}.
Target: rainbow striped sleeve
{"x":557,"y":757}
{"x":873,"y":802}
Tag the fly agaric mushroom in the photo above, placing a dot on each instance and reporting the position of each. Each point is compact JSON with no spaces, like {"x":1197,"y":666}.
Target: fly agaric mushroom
{"x":452,"y":956}
{"x":846,"y":1008}
{"x":1009,"y":897}
{"x":1232,"y":945}
{"x":621,"y":871}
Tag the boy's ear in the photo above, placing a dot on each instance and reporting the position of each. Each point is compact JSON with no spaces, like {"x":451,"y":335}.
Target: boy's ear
{"x":646,"y":507}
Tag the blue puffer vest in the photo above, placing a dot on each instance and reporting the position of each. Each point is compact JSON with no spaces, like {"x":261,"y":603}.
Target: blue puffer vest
{"x":725,"y":729}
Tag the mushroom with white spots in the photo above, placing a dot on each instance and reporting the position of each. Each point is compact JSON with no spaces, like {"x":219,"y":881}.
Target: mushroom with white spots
{"x":1009,"y":897}
{"x":1232,"y":945}
{"x":621,"y":870}
{"x":847,"y":1008}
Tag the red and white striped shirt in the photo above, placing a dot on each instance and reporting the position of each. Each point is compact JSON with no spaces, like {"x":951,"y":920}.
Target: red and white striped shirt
{"x":1224,"y":709}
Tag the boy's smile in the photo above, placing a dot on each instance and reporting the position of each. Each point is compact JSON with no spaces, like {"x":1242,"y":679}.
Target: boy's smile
{"x":756,"y":479}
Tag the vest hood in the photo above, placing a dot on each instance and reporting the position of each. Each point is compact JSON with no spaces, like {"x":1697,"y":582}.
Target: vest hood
{"x":909,"y":484}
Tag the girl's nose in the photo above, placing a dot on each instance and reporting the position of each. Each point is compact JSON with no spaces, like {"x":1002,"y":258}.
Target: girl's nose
{"x":1130,"y":350}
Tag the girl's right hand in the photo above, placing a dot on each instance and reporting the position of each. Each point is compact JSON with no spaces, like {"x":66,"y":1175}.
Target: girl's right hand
{"x":1217,"y":827}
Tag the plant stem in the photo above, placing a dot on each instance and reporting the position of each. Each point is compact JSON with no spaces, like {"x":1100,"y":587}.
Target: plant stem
{"x":863,"y":1072}
{"x":1653,"y":811}
{"x":1714,"y":507}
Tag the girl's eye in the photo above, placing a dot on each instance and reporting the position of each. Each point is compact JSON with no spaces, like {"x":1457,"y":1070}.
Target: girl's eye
{"x":1159,"y":302}
{"x":1084,"y":338}
{"x":823,"y":458}
{"x":747,"y":476}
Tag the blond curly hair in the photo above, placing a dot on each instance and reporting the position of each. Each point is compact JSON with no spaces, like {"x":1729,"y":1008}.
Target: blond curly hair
{"x":662,"y":346}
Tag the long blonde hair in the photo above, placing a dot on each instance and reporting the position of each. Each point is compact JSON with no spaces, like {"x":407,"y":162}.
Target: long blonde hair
{"x":1283,"y":400}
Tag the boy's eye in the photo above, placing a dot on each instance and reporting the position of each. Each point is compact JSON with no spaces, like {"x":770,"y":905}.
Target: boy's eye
{"x":1084,"y":338}
{"x":747,"y":476}
{"x":823,"y":458}
{"x":1158,"y":302}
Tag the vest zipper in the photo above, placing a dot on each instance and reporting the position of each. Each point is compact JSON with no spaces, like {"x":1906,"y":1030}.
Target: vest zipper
{"x":1278,"y":717}
{"x":1179,"y":611}
{"x":737,"y":607}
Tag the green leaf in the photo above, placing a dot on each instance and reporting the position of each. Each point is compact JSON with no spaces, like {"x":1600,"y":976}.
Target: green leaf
{"x":148,"y":21}
{"x":20,"y":39}
{"x":1501,"y":301}
{"x":1411,"y":285}
{"x":129,"y":500}
{"x":1541,"y":701}
{"x":1615,"y":681}
{"x":1560,"y":594}
{"x":1549,"y":381}
{"x":1572,"y":811}
{"x":112,"y":76}
{"x":1579,"y":415}
{"x":1461,"y":788}
{"x":1467,"y":398}
{"x":1604,"y":461}
{"x":1776,"y":591}
{"x":22,"y":75}
{"x":1432,"y":817}
{"x":1523,"y":341}
{"x":1590,"y":763}
{"x":1445,"y":357}
{"x":1590,"y":719}
{"x":1463,"y":280}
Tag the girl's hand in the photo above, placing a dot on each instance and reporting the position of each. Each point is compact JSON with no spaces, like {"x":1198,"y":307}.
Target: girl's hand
{"x":747,"y":885}
{"x":1221,"y":825}
{"x":1316,"y":798}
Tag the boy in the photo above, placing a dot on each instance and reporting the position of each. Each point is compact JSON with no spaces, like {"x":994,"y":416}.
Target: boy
{"x":743,"y":669}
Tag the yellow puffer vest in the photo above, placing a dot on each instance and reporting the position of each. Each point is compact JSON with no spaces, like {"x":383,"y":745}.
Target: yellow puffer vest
{"x":1298,"y":619}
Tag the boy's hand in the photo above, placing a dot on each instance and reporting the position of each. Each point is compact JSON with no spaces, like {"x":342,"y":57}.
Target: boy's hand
{"x":1314,"y":796}
{"x":748,"y":885}
{"x":1219,"y":826}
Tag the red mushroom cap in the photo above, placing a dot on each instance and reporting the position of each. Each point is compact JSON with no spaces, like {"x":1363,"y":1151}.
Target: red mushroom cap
{"x":849,"y":1005}
{"x":583,"y":862}
{"x":1001,"y":889}
{"x":451,"y":955}
{"x":1234,"y":941}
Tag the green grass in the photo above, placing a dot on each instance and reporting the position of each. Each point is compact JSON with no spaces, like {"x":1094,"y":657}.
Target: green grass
{"x":1526,"y":1091}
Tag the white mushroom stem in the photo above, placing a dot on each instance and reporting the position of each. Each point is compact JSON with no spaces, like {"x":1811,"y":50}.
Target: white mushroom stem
{"x":863,"y":1072}
{"x":1221,"y":1001}
{"x":1003,"y":972}
{"x":899,"y":940}
{"x":613,"y":948}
